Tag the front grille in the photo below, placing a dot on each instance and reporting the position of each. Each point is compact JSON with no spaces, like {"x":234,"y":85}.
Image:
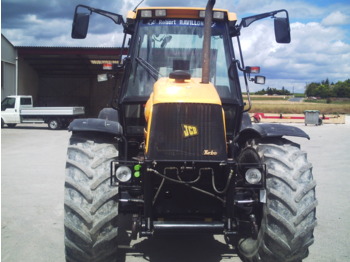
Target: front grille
{"x":186,"y":131}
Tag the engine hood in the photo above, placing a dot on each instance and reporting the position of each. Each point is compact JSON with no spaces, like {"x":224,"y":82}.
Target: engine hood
{"x":167,"y":90}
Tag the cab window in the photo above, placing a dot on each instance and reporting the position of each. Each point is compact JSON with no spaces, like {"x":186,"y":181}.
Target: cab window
{"x":26,"y":101}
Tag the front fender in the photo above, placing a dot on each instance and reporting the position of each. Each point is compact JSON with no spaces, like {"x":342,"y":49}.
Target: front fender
{"x":96,"y":125}
{"x":268,"y":130}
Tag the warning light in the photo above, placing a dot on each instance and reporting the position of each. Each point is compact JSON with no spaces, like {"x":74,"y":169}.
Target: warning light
{"x":252,"y":69}
{"x":108,"y":66}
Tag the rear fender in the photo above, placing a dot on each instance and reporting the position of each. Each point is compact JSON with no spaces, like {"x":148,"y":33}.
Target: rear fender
{"x":268,"y":130}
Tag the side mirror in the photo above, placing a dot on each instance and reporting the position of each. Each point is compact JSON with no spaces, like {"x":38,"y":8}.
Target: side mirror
{"x":104,"y":77}
{"x":282,"y":30}
{"x":80,"y":25}
{"x":260,"y":80}
{"x":81,"y":20}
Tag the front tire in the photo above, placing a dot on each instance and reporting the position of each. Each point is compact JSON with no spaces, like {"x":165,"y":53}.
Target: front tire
{"x":289,"y":215}
{"x":90,"y":203}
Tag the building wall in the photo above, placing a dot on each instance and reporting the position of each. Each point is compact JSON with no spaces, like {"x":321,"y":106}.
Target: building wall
{"x":28,"y":80}
{"x":102,"y":94}
{"x":53,"y":90}
{"x":8,"y":68}
{"x":75,"y":91}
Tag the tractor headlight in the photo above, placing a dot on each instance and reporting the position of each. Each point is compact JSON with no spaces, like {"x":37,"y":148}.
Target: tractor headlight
{"x":123,"y":173}
{"x":253,"y":176}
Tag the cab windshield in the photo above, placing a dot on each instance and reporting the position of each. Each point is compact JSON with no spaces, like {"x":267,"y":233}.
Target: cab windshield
{"x":162,"y":46}
{"x":8,"y":102}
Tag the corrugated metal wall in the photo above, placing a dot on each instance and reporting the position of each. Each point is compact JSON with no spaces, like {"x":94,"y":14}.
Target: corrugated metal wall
{"x":8,"y":68}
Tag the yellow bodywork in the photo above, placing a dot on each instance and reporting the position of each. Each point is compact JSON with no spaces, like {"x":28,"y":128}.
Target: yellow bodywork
{"x":167,"y":90}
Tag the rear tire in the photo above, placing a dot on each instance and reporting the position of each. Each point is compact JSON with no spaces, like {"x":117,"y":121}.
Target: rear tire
{"x":54,"y":124}
{"x":90,"y":203}
{"x":289,"y":215}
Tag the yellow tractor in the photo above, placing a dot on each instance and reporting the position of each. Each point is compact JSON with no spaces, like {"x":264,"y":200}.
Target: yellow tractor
{"x":178,"y":151}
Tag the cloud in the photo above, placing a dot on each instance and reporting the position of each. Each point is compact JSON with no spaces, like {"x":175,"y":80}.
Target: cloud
{"x":315,"y":53}
{"x":39,"y":31}
{"x":336,"y":18}
{"x":320,"y":33}
{"x":49,"y":23}
{"x":296,"y":9}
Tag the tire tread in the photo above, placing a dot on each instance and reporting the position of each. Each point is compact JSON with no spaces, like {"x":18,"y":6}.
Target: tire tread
{"x":91,"y":204}
{"x":289,"y":217}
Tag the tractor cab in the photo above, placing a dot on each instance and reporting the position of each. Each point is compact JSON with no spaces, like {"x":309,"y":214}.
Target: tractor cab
{"x":166,"y":40}
{"x":174,"y":41}
{"x":169,"y":40}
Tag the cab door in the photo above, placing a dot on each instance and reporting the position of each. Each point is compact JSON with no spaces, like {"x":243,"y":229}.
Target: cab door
{"x":10,"y":110}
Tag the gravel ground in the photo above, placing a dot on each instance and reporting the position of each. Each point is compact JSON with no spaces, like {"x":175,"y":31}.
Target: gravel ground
{"x":32,"y":182}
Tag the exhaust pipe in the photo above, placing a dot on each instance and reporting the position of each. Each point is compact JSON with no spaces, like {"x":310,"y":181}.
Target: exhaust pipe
{"x":206,"y":41}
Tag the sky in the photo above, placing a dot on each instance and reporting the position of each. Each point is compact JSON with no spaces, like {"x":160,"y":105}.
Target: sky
{"x":320,"y":32}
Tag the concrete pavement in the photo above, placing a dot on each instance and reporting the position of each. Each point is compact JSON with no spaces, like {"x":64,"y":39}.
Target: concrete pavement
{"x":32,"y":184}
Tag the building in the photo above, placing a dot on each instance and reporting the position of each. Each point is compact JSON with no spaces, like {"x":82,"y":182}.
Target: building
{"x":8,"y":68}
{"x":60,"y":76}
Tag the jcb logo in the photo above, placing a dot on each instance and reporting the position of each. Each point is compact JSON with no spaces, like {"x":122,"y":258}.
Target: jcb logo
{"x":189,"y":131}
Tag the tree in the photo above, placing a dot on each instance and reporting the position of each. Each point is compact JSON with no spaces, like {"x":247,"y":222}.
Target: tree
{"x":325,"y":82}
{"x":323,"y":91}
{"x":261,"y":92}
{"x":326,"y":90}
{"x":272,"y":91}
{"x":311,"y":89}
{"x":342,"y":89}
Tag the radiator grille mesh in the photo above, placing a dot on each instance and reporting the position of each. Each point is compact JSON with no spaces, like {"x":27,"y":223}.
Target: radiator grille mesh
{"x":187,"y":132}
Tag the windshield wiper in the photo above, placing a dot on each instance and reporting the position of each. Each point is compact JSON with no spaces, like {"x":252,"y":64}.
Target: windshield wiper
{"x":149,"y":68}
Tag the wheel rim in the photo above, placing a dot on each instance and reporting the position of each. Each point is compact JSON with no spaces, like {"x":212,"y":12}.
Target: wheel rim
{"x":53,"y":124}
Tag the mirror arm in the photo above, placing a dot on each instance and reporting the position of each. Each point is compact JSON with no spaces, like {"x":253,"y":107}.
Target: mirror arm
{"x":238,"y":65}
{"x":104,"y":13}
{"x":245,"y":21}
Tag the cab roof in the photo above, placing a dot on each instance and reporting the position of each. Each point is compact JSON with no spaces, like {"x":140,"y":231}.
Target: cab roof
{"x":180,"y":12}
